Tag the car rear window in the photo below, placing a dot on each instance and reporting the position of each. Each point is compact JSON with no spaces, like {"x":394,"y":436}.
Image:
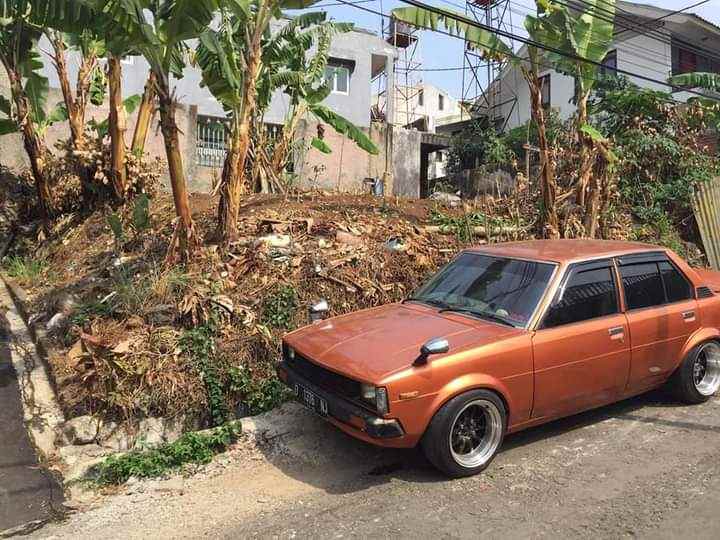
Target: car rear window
{"x":676,"y":286}
{"x":653,"y":283}
{"x":643,"y":285}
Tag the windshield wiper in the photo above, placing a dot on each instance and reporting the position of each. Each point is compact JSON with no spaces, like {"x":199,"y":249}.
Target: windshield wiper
{"x":430,"y":301}
{"x":479,"y":315}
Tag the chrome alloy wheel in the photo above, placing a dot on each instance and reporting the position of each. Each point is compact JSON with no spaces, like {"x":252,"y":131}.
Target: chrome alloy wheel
{"x":476,"y":433}
{"x":706,"y":369}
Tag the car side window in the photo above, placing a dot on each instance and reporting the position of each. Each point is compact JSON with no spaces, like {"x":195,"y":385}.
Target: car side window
{"x":676,"y":286}
{"x":643,"y":285}
{"x":588,"y":294}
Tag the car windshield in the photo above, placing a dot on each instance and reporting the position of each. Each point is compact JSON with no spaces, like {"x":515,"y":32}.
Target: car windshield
{"x":495,"y":288}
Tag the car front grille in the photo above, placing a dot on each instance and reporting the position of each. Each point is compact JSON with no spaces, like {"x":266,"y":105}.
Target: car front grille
{"x":324,"y":378}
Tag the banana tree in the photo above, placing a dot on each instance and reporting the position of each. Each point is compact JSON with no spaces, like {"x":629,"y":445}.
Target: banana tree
{"x":494,"y":48}
{"x":235,"y":54}
{"x":585,"y":35}
{"x":89,"y":85}
{"x":157,"y":29}
{"x":585,"y":38}
{"x":21,"y":26}
{"x":703,"y":81}
{"x":290,"y":66}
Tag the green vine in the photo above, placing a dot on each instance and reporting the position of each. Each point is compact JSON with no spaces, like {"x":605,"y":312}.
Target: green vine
{"x":199,"y":344}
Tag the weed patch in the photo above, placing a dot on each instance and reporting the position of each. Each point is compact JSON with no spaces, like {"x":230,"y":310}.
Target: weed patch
{"x":199,"y":344}
{"x":24,"y":268}
{"x":191,"y":448}
{"x":259,"y":395}
{"x":279,"y":309}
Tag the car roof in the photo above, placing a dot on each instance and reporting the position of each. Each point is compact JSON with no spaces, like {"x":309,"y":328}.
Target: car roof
{"x":565,"y":251}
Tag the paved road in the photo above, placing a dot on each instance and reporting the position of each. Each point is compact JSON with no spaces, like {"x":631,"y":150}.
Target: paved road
{"x":27,"y":491}
{"x":646,"y":468}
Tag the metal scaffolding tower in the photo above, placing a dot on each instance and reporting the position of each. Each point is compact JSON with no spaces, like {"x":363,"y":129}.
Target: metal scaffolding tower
{"x":483,"y":93}
{"x":407,"y":74}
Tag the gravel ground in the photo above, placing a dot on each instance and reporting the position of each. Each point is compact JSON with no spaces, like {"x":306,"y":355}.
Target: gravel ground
{"x":646,"y":467}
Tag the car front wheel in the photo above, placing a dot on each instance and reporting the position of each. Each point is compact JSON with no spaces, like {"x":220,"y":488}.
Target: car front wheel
{"x":466,"y":433}
{"x":698,"y":377}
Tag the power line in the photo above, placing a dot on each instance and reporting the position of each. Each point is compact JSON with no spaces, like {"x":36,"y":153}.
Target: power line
{"x":669,"y":99}
{"x":530,"y":42}
{"x":670,"y":14}
{"x":654,"y":34}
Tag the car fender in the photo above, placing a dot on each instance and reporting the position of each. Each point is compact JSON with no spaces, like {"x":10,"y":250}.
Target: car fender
{"x":699,"y":336}
{"x":471,"y":381}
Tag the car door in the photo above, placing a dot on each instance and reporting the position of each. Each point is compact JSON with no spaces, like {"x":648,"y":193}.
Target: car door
{"x":662,"y":314}
{"x":581,"y":348}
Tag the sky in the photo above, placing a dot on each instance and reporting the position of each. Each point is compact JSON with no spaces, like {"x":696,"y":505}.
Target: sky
{"x":436,"y":51}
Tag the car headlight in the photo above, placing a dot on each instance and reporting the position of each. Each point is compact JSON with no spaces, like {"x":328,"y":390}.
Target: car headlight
{"x":375,"y":396}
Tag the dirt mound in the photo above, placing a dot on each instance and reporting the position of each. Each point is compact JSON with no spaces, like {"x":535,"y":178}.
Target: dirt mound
{"x":137,"y":338}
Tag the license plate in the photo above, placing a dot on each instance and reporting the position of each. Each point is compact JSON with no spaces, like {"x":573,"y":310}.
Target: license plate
{"x":311,"y":400}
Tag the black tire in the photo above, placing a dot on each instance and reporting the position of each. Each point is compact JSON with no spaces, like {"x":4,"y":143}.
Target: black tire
{"x":436,"y":443}
{"x":683,"y":384}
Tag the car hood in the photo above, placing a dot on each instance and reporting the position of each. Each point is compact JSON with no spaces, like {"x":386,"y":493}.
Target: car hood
{"x":372,"y":344}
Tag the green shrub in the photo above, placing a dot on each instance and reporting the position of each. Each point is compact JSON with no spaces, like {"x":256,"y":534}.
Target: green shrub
{"x":279,"y":309}
{"x":258,"y":395}
{"x":198,"y":448}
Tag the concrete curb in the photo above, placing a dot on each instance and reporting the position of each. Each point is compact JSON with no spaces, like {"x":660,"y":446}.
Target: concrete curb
{"x":41,"y":410}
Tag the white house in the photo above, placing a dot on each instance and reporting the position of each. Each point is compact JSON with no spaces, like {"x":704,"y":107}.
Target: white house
{"x":422,"y":106}
{"x":650,"y":43}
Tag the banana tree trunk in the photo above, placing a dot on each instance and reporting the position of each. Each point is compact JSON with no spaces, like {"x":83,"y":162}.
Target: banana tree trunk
{"x":34,"y":145}
{"x":586,"y":153}
{"x":599,"y":190}
{"x":232,"y":189}
{"x":75,"y":117}
{"x":145,"y":112}
{"x":548,"y":186}
{"x":82,"y":86}
{"x":232,"y":178}
{"x":116,"y":127}
{"x":184,"y":237}
{"x":282,"y":145}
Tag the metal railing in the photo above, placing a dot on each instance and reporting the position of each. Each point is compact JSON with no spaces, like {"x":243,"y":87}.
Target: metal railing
{"x":211,"y":141}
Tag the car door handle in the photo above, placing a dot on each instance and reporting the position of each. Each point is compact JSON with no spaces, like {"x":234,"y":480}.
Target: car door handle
{"x":688,"y":316}
{"x":617,"y":333}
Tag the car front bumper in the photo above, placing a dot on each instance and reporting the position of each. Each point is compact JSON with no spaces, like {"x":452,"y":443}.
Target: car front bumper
{"x":348,"y":416}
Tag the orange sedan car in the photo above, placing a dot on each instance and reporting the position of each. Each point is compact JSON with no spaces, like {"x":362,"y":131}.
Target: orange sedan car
{"x":510,"y":336}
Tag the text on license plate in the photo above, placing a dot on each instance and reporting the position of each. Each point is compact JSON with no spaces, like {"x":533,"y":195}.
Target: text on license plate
{"x":311,"y":400}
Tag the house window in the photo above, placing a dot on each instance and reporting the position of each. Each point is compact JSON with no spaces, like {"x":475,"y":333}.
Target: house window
{"x":421,"y":97}
{"x":687,"y":61}
{"x":609,"y":64}
{"x":337,"y":77}
{"x":210,"y":141}
{"x":441,"y":102}
{"x":545,"y":91}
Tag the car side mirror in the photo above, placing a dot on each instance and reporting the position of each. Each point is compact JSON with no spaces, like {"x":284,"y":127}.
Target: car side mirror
{"x":431,"y":347}
{"x":318,"y":311}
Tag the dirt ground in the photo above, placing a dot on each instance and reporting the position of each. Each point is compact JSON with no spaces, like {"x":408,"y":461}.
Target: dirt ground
{"x":646,"y":467}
